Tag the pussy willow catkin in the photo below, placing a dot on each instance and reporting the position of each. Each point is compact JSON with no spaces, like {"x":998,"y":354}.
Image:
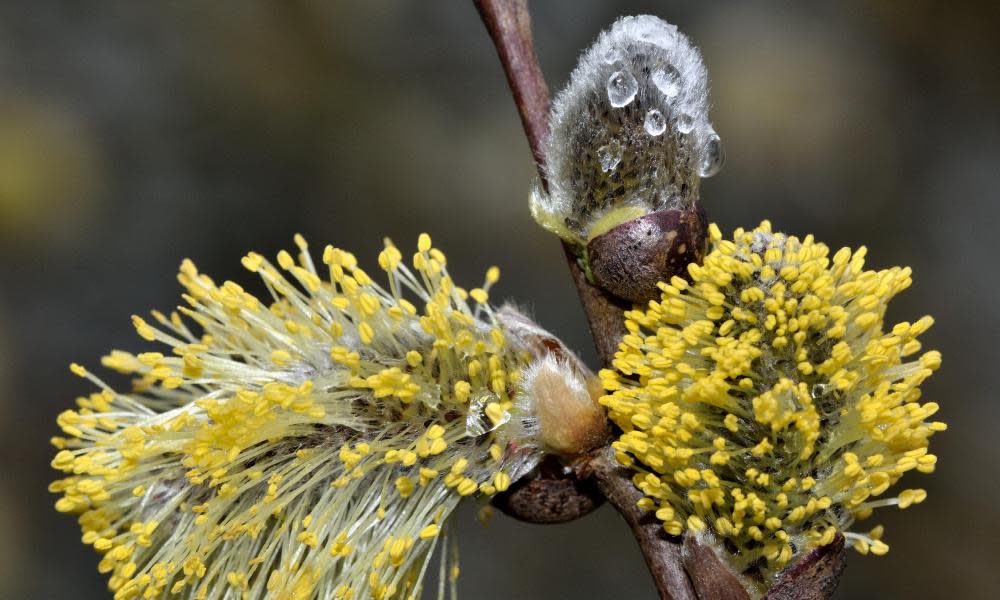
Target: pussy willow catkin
{"x":311,"y":445}
{"x":763,"y":401}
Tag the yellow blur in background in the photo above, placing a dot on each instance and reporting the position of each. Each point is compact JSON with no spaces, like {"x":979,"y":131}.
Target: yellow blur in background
{"x":50,"y":173}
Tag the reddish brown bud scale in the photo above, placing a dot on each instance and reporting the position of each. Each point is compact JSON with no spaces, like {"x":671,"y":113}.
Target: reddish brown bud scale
{"x":711,"y":574}
{"x":814,"y":577}
{"x":631,"y":258}
{"x":550,"y":494}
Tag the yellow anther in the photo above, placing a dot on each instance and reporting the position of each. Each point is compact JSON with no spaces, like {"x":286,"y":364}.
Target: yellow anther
{"x":424,"y":242}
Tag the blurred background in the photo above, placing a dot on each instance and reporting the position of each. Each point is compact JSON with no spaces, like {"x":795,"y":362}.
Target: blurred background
{"x":134,"y":134}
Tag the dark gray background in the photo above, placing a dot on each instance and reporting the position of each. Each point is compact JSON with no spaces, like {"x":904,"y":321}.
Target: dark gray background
{"x":133,"y":134}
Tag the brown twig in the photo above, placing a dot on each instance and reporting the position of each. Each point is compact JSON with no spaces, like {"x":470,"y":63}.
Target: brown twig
{"x":509,"y":25}
{"x":663,"y":555}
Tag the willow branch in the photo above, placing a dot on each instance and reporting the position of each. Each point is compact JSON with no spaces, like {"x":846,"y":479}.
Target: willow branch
{"x":663,"y":556}
{"x":509,"y":25}
{"x":688,"y":570}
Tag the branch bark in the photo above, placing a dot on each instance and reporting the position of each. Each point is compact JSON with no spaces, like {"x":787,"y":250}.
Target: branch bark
{"x":663,"y":555}
{"x":509,"y":25}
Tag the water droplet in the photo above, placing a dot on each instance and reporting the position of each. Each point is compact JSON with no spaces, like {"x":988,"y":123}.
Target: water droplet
{"x":668,"y":80}
{"x":609,"y":155}
{"x":519,"y":460}
{"x":476,"y":421}
{"x":613,"y":54}
{"x":819,"y":390}
{"x":685,"y":123}
{"x":649,"y":29}
{"x":713,"y":156}
{"x":622,"y":88}
{"x":655,"y":122}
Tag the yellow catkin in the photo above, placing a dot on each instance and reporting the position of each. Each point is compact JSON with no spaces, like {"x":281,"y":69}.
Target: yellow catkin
{"x":247,"y":436}
{"x":764,"y":399}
